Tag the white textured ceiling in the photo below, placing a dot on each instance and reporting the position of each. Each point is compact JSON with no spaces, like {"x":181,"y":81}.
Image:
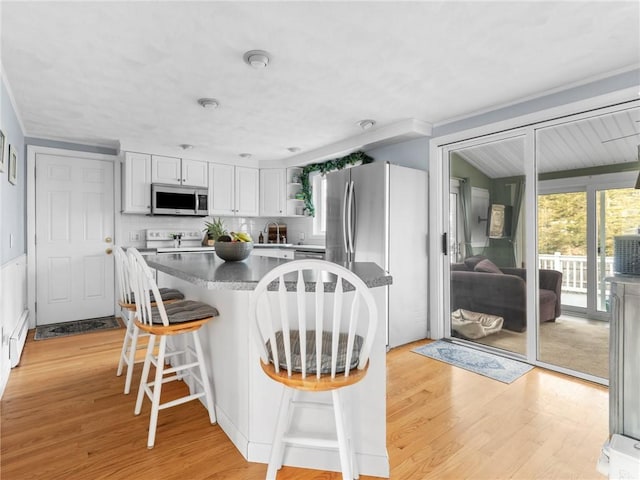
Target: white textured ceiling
{"x":129,"y":73}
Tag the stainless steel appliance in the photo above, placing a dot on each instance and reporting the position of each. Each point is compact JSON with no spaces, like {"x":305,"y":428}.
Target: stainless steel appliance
{"x":302,"y":253}
{"x":378,"y":213}
{"x":178,"y":200}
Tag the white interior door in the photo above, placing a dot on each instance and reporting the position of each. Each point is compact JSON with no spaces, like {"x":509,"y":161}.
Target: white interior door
{"x":74,"y":231}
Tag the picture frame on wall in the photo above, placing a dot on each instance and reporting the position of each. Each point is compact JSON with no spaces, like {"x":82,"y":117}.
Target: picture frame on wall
{"x":13,"y":165}
{"x":2,"y":155}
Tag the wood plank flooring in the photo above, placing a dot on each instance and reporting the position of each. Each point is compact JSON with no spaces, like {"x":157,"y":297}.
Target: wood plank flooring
{"x":64,"y":416}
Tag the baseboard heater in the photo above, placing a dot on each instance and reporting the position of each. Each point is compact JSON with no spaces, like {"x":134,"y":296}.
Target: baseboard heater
{"x":18,"y":337}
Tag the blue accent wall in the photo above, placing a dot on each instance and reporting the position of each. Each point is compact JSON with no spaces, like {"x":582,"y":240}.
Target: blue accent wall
{"x":411,"y":153}
{"x":13,"y":198}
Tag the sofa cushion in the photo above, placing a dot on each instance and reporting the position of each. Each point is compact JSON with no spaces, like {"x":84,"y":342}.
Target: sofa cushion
{"x":486,"y":266}
{"x":471,"y":262}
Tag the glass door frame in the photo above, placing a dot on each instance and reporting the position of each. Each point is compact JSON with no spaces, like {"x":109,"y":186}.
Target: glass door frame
{"x":439,"y":214}
{"x":591,"y":185}
{"x":531,"y":277}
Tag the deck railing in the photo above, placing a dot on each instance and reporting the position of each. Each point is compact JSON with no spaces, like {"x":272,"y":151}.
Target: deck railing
{"x":573,"y":268}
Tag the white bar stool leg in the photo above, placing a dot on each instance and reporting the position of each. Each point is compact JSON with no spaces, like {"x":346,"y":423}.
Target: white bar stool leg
{"x":157,"y":390}
{"x":277,"y":450}
{"x":145,"y":374}
{"x":343,"y":440}
{"x":125,"y":343}
{"x":131,"y":360}
{"x":208,"y":393}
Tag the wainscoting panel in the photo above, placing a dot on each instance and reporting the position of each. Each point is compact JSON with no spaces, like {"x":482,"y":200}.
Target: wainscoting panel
{"x":14,"y":321}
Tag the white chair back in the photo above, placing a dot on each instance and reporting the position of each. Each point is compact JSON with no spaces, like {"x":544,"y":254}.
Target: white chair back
{"x":122,"y":275}
{"x":286,"y":310}
{"x":144,"y":288}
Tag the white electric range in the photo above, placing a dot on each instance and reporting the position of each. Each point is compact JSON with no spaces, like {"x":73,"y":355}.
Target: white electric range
{"x":171,"y":241}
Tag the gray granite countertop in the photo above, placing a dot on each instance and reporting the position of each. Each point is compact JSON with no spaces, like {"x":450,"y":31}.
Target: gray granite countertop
{"x":210,"y":272}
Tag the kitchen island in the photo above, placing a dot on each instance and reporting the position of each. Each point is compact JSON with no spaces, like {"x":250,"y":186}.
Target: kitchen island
{"x":246,"y":401}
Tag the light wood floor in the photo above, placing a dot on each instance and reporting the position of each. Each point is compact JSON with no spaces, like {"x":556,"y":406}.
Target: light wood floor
{"x":64,"y":417}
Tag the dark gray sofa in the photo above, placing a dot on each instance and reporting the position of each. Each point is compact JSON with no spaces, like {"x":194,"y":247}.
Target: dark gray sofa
{"x":503,"y":294}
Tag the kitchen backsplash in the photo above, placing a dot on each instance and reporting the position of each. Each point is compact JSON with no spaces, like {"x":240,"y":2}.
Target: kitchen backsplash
{"x":133,"y":227}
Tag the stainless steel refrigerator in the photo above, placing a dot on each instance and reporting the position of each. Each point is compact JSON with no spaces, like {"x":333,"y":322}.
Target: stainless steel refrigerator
{"x":378,"y":213}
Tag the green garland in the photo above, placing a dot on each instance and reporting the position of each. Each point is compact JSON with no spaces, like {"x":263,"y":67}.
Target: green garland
{"x":323,"y":168}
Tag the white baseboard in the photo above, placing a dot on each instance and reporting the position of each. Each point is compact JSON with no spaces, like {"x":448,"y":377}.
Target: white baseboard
{"x":18,"y":338}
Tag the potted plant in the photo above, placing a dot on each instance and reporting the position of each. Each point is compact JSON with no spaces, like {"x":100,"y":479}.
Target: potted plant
{"x":214,"y":230}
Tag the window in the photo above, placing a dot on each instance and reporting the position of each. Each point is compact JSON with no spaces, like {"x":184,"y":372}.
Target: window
{"x":319,"y":191}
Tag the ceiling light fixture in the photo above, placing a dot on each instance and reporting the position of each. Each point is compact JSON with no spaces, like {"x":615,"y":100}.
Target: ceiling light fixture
{"x":186,"y":146}
{"x":256,"y":58}
{"x":294,"y":149}
{"x":245,"y":155}
{"x":366,"y":124}
{"x":211,"y":103}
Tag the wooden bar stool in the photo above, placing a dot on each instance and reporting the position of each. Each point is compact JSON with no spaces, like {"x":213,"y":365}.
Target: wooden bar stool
{"x":312,"y":342}
{"x":161,"y":322}
{"x":126,"y":300}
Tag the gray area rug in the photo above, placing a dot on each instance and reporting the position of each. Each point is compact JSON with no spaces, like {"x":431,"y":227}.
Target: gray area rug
{"x":498,"y":368}
{"x":76,"y":327}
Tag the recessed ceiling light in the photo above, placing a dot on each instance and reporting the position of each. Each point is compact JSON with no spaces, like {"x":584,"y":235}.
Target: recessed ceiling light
{"x":366,"y":124}
{"x":294,"y":149}
{"x":245,"y":155}
{"x":256,"y":58}
{"x":211,"y":103}
{"x":186,"y":146}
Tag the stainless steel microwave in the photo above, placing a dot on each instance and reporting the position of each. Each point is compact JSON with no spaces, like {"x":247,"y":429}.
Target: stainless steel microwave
{"x":178,"y":200}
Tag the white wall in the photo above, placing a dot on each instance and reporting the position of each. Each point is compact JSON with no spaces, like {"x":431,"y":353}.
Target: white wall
{"x":13,"y":277}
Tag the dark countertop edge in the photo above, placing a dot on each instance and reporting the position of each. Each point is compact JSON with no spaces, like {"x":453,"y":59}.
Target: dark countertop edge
{"x":380,"y":280}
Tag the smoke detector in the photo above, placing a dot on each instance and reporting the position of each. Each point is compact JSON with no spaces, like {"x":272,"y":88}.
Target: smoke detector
{"x":210,"y":103}
{"x":366,"y":124}
{"x":256,"y":58}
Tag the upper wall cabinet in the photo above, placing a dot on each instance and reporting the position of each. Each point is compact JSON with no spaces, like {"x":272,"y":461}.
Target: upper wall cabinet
{"x":233,"y":190}
{"x":178,"y":171}
{"x":272,"y":192}
{"x":136,"y":185}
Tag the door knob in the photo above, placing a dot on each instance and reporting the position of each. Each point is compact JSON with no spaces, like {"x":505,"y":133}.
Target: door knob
{"x":108,"y":251}
{"x":108,"y":240}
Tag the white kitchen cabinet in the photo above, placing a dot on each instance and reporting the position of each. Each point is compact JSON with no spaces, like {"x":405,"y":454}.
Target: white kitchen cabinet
{"x":273,"y":252}
{"x":273,"y":201}
{"x":136,"y":185}
{"x":178,"y":171}
{"x":233,"y":190}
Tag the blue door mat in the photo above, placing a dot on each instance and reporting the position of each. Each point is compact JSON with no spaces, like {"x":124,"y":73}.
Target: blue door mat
{"x":493,"y":366}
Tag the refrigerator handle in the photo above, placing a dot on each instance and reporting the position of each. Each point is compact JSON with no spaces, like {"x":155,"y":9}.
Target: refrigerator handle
{"x":344,"y":218}
{"x":352,"y":221}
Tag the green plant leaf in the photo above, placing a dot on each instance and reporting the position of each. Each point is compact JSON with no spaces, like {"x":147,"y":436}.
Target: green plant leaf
{"x":324,"y":168}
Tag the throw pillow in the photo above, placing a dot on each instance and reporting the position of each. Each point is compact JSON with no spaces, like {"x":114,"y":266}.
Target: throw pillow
{"x":471,"y":262}
{"x":487,"y":266}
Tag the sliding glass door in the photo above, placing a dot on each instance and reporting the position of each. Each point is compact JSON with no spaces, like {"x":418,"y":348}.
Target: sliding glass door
{"x":486,"y":243}
{"x":586,"y":170}
{"x":540,"y":293}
